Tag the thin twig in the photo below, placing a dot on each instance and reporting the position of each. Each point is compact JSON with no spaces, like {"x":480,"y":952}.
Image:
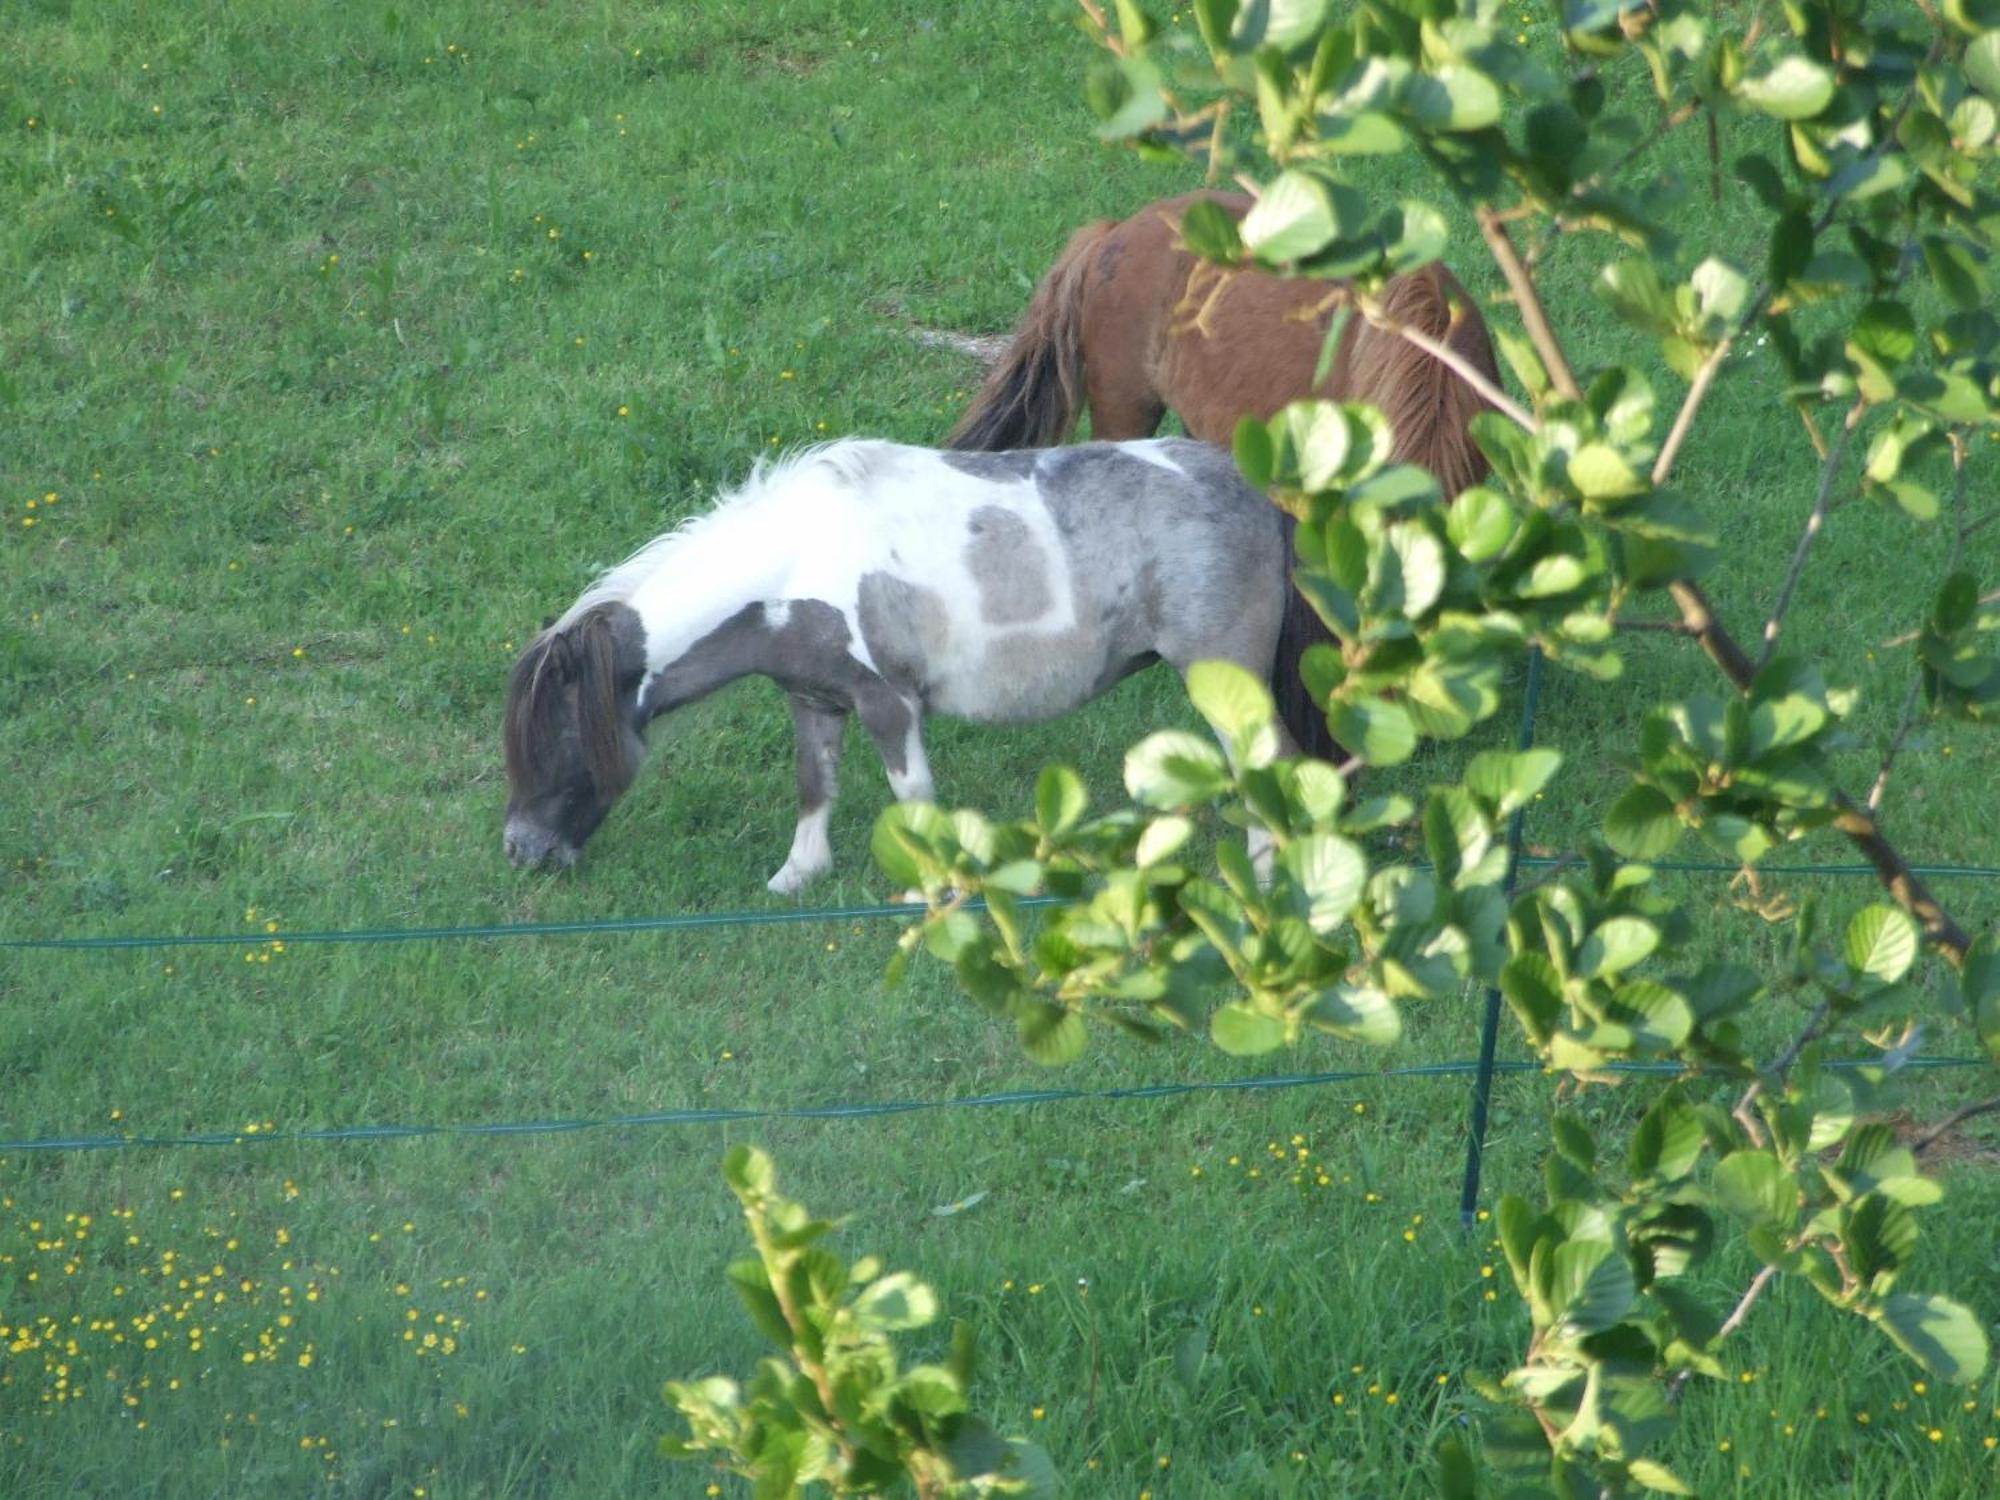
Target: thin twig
{"x":1662,"y":627}
{"x":1990,"y":597}
{"x":1533,"y":315}
{"x":1684,"y":418}
{"x":1781,"y":1065}
{"x":1813,"y":1030}
{"x":1905,"y":721}
{"x":1829,"y":471}
{"x":1729,"y":1324}
{"x":1957,"y":1117}
{"x":1445,"y":355}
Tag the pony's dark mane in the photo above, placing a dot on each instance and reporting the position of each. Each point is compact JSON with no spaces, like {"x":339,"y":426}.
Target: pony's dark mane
{"x":1032,"y":396}
{"x":1429,"y":408}
{"x":582,"y":655}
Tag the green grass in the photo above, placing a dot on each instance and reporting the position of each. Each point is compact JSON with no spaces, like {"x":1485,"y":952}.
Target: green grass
{"x":300,"y":328}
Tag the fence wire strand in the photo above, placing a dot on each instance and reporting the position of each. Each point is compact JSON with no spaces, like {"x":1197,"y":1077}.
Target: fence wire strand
{"x":852,"y":1110}
{"x":783,"y":916}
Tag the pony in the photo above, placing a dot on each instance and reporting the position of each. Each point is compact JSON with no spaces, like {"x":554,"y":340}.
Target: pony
{"x":888,"y":582}
{"x":1130,"y":323}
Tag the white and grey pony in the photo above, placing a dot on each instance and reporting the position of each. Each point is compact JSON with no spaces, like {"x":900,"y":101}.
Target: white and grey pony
{"x":891,"y":582}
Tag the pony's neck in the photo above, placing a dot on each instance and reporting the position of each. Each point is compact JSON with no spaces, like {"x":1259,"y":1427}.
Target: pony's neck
{"x":699,"y":580}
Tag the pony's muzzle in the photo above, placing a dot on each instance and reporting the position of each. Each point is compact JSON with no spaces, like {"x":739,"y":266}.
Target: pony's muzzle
{"x":529,"y":847}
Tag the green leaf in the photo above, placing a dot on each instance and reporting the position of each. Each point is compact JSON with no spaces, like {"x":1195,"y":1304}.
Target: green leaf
{"x":1599,"y":472}
{"x":1242,"y":1031}
{"x":1293,"y":218}
{"x":1172,"y":769}
{"x":1357,"y":1013}
{"x":1125,"y":95}
{"x":1456,"y":832}
{"x":1278,"y":23}
{"x":1509,"y":780}
{"x":1957,"y":603}
{"x":1060,"y":800}
{"x":1330,"y":872}
{"x":1238,"y":707}
{"x":895,"y":1303}
{"x":1886,"y":331}
{"x":1209,"y":230}
{"x":1616,"y":945}
{"x":1480,"y":523}
{"x":1720,"y":292}
{"x":1420,"y":560}
{"x":753,"y":1289}
{"x":1882,"y":942}
{"x":1320,"y":441}
{"x":1458,"y":1476}
{"x":1533,"y":989}
{"x":932,"y":1390}
{"x":1982,"y":64}
{"x":1052,"y":1034}
{"x":1456,"y":97}
{"x":1658,"y":1477}
{"x":1642,"y":823}
{"x":1591,"y":1285}
{"x":749,"y":1172}
{"x":1754,"y":1186}
{"x":1214,"y":18}
{"x":1796,"y":89}
{"x":1669,"y":1139}
{"x":1939,"y":1334}
{"x":1378,"y":731}
{"x":1162,"y":839}
{"x":1633,"y":289}
{"x":1254,"y":453}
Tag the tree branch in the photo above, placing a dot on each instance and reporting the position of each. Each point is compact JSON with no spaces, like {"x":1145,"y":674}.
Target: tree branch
{"x":1959,"y":1116}
{"x":1856,"y":822}
{"x":1533,"y":315}
{"x":1829,"y":471}
{"x":1905,"y":721}
{"x":1684,"y":418}
{"x":1729,"y":1324}
{"x":1445,"y":355}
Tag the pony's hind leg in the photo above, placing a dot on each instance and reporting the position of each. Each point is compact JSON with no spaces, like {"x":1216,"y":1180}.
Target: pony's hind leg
{"x":819,"y":729}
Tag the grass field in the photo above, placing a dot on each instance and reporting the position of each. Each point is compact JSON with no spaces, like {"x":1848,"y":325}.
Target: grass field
{"x":344,"y":343}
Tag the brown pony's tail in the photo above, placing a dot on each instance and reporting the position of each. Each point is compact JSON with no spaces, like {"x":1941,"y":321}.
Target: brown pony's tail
{"x":1033,"y":394}
{"x":1430,"y":409}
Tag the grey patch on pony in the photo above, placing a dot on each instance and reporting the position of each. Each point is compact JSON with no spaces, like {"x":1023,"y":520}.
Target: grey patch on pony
{"x":803,"y":646}
{"x":901,"y":624}
{"x":1008,"y":567}
{"x":1017,"y":464}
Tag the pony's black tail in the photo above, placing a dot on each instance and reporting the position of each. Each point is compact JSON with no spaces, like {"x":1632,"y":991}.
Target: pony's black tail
{"x":1302,"y":627}
{"x":1033,"y":393}
{"x":1430,"y":410}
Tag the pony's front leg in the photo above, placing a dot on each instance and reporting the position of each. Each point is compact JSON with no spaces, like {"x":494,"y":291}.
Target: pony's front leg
{"x":819,"y":729}
{"x":896,"y":725}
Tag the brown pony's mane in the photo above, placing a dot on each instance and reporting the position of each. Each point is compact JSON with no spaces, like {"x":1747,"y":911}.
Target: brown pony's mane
{"x":1428,"y":406}
{"x":581,"y":655}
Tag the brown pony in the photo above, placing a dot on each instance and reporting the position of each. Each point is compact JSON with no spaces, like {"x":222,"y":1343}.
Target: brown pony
{"x":1128,"y":322}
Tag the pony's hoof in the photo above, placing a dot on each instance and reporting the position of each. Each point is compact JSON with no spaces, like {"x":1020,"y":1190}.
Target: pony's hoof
{"x":793,"y":879}
{"x":945,"y":897}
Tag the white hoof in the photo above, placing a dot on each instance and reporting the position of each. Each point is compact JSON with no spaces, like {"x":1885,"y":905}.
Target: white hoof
{"x":795,"y":878}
